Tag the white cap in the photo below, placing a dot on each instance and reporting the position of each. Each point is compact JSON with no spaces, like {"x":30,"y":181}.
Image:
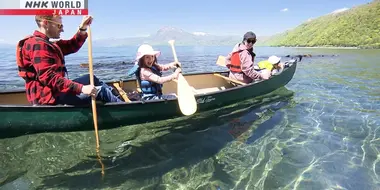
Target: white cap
{"x":146,"y":50}
{"x":274,"y":59}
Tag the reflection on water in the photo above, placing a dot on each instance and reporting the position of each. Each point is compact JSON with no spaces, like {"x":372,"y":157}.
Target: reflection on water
{"x":320,"y":132}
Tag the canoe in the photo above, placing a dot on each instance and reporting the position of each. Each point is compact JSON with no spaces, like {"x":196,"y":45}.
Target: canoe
{"x":212,"y":90}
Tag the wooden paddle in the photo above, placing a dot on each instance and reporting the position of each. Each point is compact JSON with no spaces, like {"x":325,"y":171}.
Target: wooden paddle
{"x":221,"y":61}
{"x":93,"y":99}
{"x":186,"y":98}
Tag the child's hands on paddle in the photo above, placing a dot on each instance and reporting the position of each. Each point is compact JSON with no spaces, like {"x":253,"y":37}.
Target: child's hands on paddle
{"x":175,"y":65}
{"x":177,"y":72}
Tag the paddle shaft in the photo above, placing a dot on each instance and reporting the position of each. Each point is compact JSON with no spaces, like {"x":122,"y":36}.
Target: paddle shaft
{"x":93,"y":99}
{"x":171,"y":42}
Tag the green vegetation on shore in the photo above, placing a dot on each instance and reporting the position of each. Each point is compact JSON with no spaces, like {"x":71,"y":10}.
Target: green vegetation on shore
{"x":356,"y":27}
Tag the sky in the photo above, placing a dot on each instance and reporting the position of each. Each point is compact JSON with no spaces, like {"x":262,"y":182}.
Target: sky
{"x":125,"y":18}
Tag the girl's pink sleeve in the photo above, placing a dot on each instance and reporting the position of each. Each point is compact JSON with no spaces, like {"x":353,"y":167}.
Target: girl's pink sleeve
{"x":147,"y":74}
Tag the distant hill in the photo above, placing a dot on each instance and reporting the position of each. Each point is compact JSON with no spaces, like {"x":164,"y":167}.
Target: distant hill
{"x":163,"y":35}
{"x":355,"y":27}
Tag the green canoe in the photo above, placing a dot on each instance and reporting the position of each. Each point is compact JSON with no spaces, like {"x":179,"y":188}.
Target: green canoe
{"x":212,"y":91}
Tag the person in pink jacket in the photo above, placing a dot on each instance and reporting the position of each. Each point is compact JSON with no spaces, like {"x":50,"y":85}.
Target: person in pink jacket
{"x":241,"y":61}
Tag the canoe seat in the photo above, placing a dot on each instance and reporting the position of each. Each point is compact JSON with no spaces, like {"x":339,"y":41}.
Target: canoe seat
{"x":208,"y":90}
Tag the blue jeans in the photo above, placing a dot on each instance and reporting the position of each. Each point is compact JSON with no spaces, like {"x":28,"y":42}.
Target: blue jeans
{"x":104,"y":93}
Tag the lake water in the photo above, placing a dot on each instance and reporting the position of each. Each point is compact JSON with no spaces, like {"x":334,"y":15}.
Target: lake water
{"x":321,"y":131}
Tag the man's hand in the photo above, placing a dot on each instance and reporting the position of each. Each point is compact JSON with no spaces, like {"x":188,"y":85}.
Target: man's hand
{"x":89,"y":90}
{"x":87,"y":20}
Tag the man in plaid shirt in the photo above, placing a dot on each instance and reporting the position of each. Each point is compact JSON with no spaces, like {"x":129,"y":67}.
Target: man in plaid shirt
{"x":41,"y":64}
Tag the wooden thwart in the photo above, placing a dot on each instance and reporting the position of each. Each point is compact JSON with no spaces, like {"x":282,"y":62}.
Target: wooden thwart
{"x":121,"y":92}
{"x":229,"y":79}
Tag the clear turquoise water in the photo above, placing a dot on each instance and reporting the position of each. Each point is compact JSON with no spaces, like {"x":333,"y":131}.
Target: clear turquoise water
{"x":322,"y":131}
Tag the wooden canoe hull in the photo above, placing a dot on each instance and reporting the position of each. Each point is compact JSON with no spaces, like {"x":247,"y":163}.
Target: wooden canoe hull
{"x":22,"y":118}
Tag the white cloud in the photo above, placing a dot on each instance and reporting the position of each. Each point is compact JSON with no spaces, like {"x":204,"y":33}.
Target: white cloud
{"x":284,"y":10}
{"x":339,"y":10}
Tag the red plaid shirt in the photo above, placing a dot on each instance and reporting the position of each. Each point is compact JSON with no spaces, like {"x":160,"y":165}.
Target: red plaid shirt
{"x":49,"y":63}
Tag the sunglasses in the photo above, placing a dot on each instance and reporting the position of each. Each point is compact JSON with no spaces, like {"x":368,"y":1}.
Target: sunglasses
{"x":59,"y":25}
{"x":251,"y":41}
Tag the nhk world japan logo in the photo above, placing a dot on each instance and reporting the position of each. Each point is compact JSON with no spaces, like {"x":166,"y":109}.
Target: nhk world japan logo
{"x":44,"y":7}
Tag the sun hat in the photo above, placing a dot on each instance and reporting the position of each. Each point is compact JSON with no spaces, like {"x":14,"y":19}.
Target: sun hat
{"x":274,"y":59}
{"x":146,"y":49}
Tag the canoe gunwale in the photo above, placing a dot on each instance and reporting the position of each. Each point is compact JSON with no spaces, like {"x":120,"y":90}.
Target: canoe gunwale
{"x":11,"y":91}
{"x":123,"y":104}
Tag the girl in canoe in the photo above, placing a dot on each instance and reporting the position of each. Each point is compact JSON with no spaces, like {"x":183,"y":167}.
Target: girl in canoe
{"x":149,"y":73}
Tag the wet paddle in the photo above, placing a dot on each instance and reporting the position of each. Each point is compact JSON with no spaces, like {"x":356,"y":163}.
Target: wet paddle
{"x":93,"y":100}
{"x":186,"y":98}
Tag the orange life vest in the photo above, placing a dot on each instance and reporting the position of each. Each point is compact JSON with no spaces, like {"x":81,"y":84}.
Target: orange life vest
{"x":26,"y":72}
{"x":235,"y":65}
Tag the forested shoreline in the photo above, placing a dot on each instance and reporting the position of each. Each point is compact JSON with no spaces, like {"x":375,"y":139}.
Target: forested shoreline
{"x":357,"y":27}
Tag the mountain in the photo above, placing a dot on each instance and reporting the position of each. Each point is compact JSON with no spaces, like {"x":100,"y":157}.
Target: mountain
{"x":355,"y":27}
{"x":163,"y":35}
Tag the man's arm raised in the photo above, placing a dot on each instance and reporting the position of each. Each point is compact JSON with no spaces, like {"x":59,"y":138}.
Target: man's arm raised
{"x":76,"y":42}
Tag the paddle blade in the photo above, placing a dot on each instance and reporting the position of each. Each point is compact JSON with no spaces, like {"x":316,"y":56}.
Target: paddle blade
{"x":133,"y":70}
{"x":221,"y":61}
{"x":186,"y":99}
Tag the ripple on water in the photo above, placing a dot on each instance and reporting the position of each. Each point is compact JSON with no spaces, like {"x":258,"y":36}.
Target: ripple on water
{"x":327,"y":137}
{"x":339,"y":171}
